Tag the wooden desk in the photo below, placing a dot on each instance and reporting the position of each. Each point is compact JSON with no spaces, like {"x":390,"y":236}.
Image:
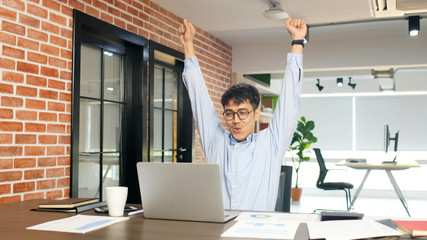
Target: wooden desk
{"x":387,"y":167}
{"x":16,"y":217}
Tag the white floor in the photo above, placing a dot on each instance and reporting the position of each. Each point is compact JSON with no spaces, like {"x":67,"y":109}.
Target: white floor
{"x":384,"y":207}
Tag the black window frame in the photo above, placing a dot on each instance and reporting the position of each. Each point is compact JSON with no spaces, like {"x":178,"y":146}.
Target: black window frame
{"x":186,"y":129}
{"x":134,"y":125}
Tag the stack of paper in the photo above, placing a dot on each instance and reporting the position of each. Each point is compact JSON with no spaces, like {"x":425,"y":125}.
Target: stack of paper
{"x":285,"y":225}
{"x":349,"y":229}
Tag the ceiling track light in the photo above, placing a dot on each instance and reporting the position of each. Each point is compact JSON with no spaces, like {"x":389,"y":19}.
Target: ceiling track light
{"x":275,"y":11}
{"x":414,"y":25}
{"x":339,"y":82}
{"x":320,"y":87}
{"x":352,"y":85}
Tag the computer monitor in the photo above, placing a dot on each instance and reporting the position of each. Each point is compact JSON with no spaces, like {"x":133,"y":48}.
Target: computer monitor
{"x":388,"y":139}
{"x":396,"y":140}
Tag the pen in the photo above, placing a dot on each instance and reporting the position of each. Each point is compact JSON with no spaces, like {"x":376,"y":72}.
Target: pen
{"x":136,"y":212}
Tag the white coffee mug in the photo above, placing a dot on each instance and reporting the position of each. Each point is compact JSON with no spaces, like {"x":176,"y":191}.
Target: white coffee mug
{"x":116,"y":200}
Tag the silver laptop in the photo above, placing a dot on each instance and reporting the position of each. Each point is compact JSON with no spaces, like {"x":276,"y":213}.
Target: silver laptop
{"x":182,"y":191}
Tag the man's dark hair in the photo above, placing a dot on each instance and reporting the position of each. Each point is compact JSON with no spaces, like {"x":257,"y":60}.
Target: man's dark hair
{"x":240,"y":93}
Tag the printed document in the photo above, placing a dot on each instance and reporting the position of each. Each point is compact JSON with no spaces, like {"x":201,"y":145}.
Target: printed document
{"x":268,"y":225}
{"x":349,"y":229}
{"x":78,"y":224}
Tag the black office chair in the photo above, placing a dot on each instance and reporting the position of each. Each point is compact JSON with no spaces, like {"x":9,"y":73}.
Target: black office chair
{"x":283,"y":203}
{"x":331,"y":185}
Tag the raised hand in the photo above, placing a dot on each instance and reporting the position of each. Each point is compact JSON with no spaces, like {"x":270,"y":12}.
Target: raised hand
{"x":186,"y":36}
{"x":296,"y":28}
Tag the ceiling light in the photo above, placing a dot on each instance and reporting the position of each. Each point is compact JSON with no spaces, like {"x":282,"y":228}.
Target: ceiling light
{"x":339,"y":82}
{"x":320,"y":87}
{"x":108,"y":53}
{"x":414,"y":25}
{"x":275,"y":11}
{"x":352,"y":85}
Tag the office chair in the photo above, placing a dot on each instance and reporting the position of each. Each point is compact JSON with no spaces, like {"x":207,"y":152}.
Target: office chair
{"x":283,"y":203}
{"x":331,"y":185}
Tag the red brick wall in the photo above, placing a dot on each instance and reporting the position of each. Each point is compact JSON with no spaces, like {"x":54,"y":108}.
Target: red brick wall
{"x":35,"y":83}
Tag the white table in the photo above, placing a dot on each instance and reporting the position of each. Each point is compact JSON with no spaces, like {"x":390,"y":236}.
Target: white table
{"x":387,"y":167}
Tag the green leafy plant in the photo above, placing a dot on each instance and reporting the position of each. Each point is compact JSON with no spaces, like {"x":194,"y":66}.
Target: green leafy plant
{"x":301,"y":140}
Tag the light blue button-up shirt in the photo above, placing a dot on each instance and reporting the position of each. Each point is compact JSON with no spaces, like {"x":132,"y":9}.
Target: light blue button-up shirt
{"x":251,"y":169}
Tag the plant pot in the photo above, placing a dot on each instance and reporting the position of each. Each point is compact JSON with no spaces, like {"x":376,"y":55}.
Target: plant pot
{"x":296,"y":194}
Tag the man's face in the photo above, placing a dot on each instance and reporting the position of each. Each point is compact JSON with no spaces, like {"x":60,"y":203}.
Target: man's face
{"x":240,"y":129}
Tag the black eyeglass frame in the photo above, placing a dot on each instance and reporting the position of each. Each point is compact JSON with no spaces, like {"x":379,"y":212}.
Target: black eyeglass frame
{"x":234,"y":114}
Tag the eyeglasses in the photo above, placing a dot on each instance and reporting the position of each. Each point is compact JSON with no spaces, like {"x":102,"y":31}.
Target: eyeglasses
{"x":242,"y":114}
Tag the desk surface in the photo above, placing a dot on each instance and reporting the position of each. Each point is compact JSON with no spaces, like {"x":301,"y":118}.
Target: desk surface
{"x":370,"y":164}
{"x":16,"y":217}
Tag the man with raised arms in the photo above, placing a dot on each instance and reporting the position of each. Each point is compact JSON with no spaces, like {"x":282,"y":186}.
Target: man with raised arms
{"x":250,"y":162}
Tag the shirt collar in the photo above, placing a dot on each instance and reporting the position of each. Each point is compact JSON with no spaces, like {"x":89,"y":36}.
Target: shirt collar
{"x":233,"y":141}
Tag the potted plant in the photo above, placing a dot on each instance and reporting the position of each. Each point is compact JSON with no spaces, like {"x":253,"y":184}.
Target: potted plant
{"x":301,"y":140}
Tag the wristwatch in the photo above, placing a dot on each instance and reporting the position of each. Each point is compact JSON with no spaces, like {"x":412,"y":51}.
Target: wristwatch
{"x":300,"y":42}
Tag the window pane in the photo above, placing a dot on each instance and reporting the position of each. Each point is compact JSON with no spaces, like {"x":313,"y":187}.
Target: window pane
{"x":164,"y":57}
{"x":157,"y":132}
{"x":169,"y":156}
{"x":113,"y":115}
{"x":89,"y":132}
{"x":158,"y":86}
{"x":113,"y":76}
{"x":171,"y":90}
{"x":157,"y":156}
{"x":110,"y":171}
{"x":89,"y":175}
{"x":90,"y":75}
{"x":170,"y":130}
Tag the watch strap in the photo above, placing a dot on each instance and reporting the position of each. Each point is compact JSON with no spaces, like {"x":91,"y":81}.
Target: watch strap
{"x":300,"y":42}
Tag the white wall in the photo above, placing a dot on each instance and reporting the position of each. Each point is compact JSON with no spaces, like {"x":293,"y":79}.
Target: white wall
{"x":339,"y":49}
{"x":356,"y":123}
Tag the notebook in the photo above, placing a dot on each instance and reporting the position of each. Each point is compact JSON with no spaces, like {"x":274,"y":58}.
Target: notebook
{"x":182,"y":191}
{"x":75,"y":205}
{"x":412,"y":227}
{"x":68,"y":203}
